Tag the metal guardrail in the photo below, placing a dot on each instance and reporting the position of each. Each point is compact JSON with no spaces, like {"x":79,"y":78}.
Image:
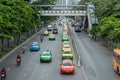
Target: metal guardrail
{"x":58,"y":5}
{"x":62,"y":11}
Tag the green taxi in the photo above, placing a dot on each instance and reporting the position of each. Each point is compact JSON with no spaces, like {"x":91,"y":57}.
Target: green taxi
{"x":65,"y":37}
{"x":46,"y":56}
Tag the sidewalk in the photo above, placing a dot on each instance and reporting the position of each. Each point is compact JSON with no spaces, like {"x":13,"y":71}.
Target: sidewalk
{"x":23,"y":36}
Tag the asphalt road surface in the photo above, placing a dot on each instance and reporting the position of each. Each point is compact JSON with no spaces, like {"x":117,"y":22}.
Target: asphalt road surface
{"x":32,"y":69}
{"x":96,"y":60}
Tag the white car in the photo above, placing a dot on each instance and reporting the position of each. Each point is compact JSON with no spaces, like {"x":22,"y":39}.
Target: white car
{"x":49,"y":28}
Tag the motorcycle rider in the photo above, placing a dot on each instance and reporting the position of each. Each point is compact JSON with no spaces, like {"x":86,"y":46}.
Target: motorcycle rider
{"x":18,"y":58}
{"x":3,"y":71}
{"x":24,"y":48}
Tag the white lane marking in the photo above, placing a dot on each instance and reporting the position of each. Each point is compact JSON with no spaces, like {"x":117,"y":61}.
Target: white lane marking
{"x":78,"y":63}
{"x":24,"y":75}
{"x":85,"y":75}
{"x":46,"y":75}
{"x":29,"y":69}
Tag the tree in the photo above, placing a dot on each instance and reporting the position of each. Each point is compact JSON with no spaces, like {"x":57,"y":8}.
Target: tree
{"x":16,"y":16}
{"x":108,"y":12}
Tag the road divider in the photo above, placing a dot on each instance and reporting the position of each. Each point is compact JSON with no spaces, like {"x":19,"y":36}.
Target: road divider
{"x":76,"y":52}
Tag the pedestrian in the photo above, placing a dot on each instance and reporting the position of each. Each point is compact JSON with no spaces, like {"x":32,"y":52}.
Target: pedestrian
{"x":41,"y":37}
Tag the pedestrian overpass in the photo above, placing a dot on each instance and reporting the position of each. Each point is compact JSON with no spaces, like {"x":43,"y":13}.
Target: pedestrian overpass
{"x":62,"y":10}
{"x":62,"y":13}
{"x":67,"y":10}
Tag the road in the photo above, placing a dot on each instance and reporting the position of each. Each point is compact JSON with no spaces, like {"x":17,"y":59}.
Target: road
{"x":96,"y":61}
{"x":31,"y":68}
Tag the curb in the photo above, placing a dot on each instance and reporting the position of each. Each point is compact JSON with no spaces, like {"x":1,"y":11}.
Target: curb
{"x":9,"y":53}
{"x":106,"y":45}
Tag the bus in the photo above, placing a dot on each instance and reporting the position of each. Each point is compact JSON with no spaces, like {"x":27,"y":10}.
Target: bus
{"x":116,"y":60}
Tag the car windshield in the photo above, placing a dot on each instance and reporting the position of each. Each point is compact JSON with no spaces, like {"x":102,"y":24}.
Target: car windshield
{"x":65,"y":36}
{"x":67,"y":52}
{"x":51,"y":35}
{"x":66,"y":46}
{"x":66,"y":42}
{"x":46,"y":31}
{"x":54,"y":29}
{"x":34,"y":44}
{"x":45,"y":54}
{"x":67,"y":63}
{"x":78,"y":26}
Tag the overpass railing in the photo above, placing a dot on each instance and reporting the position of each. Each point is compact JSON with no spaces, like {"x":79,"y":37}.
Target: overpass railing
{"x":60,"y":11}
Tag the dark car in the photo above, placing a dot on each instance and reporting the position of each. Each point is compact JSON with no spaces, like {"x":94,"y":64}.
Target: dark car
{"x":55,"y":31}
{"x":78,"y":28}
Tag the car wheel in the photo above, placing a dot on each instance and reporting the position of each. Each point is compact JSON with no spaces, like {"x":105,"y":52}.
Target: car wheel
{"x":50,"y":61}
{"x":73,"y":72}
{"x":40,"y":61}
{"x":118,"y":71}
{"x":61,"y":72}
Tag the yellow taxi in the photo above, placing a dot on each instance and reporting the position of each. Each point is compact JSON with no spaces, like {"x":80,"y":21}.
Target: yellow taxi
{"x":67,"y":54}
{"x":66,"y":46}
{"x":65,"y":28}
{"x":45,"y":33}
{"x":65,"y":42}
{"x":51,"y":36}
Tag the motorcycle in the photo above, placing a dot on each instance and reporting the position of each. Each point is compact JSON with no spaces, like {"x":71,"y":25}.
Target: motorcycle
{"x":18,"y":62}
{"x":3,"y":75}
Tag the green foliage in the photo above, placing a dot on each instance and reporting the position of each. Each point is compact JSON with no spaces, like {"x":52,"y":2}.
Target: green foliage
{"x":108,"y":12}
{"x":16,"y":16}
{"x":45,"y":2}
